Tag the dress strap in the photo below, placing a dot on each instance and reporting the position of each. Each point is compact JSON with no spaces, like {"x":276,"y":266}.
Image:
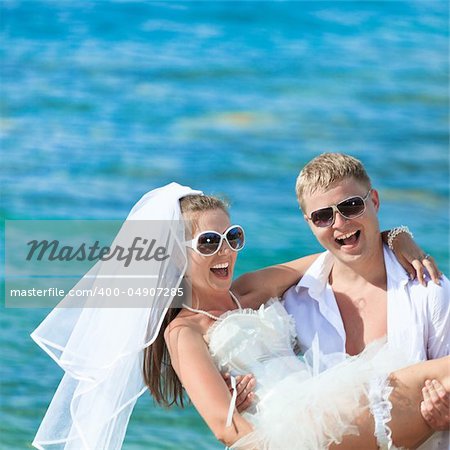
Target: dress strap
{"x":201,"y":311}
{"x":235,"y":300}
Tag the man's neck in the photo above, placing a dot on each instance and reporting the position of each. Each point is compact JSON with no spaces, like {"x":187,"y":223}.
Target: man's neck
{"x":360,"y":290}
{"x":370,"y":270}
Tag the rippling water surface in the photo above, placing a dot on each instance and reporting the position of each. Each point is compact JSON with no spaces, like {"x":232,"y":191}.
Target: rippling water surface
{"x":102,"y":101}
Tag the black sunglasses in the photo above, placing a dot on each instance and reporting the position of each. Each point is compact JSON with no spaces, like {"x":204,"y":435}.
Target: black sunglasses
{"x":349,"y":208}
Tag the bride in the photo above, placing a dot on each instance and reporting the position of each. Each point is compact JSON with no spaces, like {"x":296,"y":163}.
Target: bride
{"x":185,"y":349}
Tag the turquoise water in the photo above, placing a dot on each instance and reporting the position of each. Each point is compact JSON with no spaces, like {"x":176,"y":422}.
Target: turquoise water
{"x":103,"y":101}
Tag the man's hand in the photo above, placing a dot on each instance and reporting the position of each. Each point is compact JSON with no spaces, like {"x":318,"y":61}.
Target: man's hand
{"x":435,"y":407}
{"x":244,"y":386}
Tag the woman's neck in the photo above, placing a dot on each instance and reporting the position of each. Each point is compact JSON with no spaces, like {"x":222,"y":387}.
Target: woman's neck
{"x":212,"y":301}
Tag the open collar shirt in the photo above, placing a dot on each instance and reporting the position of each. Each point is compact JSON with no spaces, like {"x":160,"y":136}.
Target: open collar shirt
{"x":418,"y":317}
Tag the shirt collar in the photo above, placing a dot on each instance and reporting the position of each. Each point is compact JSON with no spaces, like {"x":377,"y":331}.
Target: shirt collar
{"x":394,"y":270}
{"x":315,"y":278}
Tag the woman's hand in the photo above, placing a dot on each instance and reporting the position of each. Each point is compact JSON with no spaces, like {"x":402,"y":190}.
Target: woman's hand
{"x":413,"y":259}
{"x":435,"y":408}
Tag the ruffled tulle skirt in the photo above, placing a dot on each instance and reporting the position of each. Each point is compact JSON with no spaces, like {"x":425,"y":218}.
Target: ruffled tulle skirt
{"x":307,"y":410}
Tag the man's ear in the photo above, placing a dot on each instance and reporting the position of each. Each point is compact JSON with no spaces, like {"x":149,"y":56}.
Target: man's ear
{"x":375,"y":199}
{"x":308,"y":221}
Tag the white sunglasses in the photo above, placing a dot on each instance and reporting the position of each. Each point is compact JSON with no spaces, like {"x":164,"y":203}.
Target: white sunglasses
{"x":208,"y":243}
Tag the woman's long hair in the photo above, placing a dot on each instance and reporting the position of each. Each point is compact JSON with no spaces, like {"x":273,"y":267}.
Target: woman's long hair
{"x":159,"y":375}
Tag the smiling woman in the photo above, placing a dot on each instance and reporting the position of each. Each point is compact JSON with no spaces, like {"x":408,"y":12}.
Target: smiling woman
{"x":185,"y":349}
{"x":99,"y":103}
{"x":210,"y":214}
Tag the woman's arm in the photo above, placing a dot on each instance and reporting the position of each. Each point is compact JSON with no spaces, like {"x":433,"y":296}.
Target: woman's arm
{"x":413,"y":259}
{"x":203,"y":383}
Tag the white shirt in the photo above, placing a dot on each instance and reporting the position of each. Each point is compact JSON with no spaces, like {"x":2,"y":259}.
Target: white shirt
{"x":418,"y":317}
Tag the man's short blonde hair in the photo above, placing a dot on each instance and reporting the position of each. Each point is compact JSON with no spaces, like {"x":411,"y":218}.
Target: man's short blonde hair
{"x":327,"y":169}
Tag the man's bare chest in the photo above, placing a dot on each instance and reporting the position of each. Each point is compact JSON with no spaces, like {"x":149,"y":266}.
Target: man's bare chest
{"x":364,"y":316}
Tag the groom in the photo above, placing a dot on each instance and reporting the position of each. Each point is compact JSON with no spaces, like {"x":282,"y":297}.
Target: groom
{"x":357,"y":292}
{"x":345,"y":295}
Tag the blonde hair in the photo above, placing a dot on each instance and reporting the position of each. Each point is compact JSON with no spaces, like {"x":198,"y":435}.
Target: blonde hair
{"x":192,"y":205}
{"x":159,"y":375}
{"x":327,"y":169}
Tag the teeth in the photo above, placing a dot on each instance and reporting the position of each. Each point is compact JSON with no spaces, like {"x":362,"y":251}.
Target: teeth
{"x":220,"y":266}
{"x":346,"y":236}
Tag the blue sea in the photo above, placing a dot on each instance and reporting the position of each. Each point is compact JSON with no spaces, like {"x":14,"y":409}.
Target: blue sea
{"x":102,"y":101}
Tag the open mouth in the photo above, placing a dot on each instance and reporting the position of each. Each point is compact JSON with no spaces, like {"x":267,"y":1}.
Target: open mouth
{"x":349,"y":238}
{"x":220,"y":270}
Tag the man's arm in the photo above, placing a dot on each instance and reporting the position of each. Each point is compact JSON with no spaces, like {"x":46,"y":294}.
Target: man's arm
{"x":255,"y":288}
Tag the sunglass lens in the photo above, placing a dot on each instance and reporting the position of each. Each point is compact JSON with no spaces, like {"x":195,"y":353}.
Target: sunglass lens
{"x":353,"y":207}
{"x":236,"y":238}
{"x":322,"y":217}
{"x":208,"y":243}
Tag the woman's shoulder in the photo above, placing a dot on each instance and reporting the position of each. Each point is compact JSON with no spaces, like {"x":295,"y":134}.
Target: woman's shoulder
{"x":184,"y":340}
{"x":192,"y":325}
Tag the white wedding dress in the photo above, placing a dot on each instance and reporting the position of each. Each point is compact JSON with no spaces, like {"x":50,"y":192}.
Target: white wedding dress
{"x":299,"y":405}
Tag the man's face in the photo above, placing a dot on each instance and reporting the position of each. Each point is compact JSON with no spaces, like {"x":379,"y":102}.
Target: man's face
{"x":346,"y":239}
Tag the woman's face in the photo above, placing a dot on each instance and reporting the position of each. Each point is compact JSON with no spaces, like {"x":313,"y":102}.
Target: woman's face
{"x":213,"y":273}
